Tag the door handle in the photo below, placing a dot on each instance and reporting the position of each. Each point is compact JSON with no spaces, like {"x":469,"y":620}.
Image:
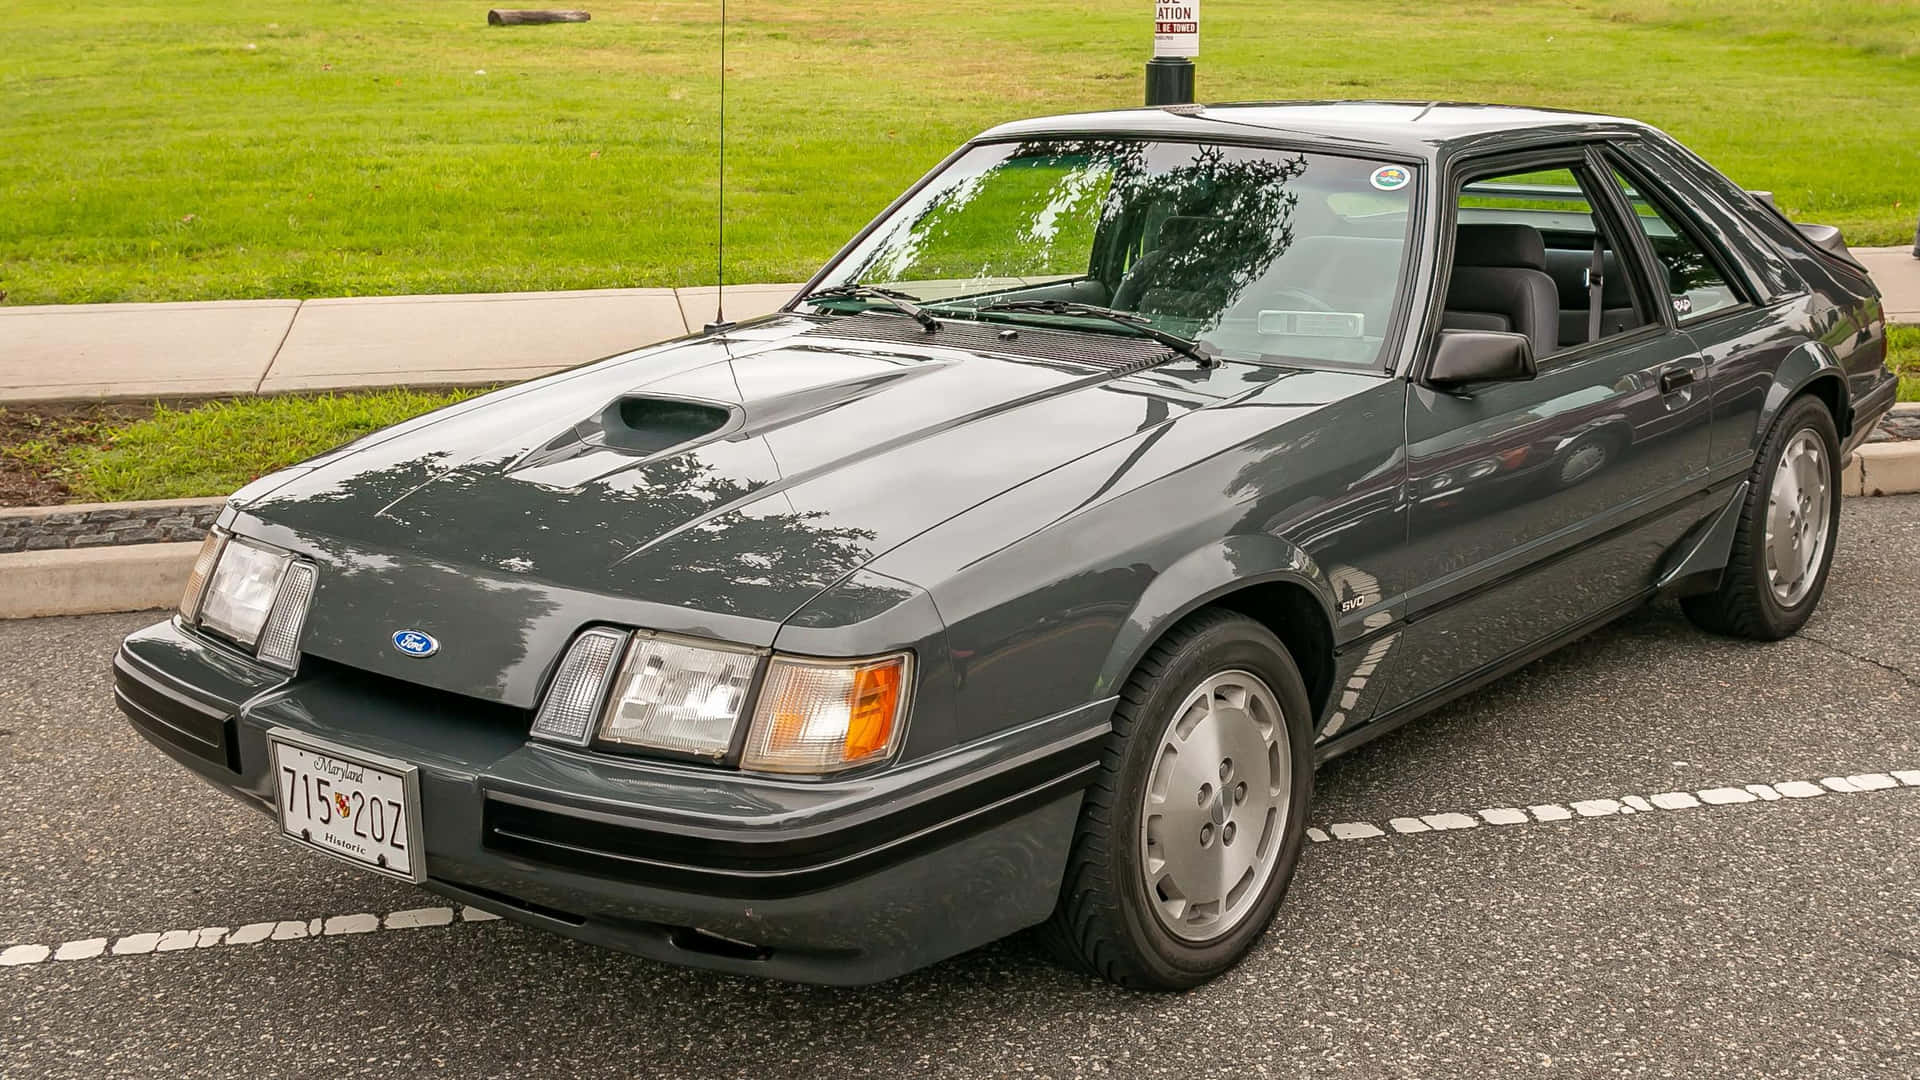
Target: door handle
{"x":1674,"y":379}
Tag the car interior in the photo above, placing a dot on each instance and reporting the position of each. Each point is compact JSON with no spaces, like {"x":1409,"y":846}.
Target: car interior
{"x":1526,"y":248}
{"x":1262,"y":258}
{"x":1307,"y":268}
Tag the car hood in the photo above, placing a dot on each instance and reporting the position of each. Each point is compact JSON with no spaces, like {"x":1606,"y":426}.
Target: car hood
{"x":836,"y":440}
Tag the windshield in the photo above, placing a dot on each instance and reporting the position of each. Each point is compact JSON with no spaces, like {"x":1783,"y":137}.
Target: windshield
{"x":1258,"y":253}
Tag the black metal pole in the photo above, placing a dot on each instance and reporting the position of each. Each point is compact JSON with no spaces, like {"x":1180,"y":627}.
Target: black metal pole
{"x":1169,"y":81}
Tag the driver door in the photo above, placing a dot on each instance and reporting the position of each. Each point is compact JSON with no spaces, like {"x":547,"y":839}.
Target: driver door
{"x":1541,"y":505}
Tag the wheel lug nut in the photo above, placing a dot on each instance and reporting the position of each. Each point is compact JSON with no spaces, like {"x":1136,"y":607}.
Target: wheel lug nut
{"x":1240,"y":792}
{"x":1206,"y":792}
{"x":1226,"y":768}
{"x":1206,"y":834}
{"x":1226,"y":834}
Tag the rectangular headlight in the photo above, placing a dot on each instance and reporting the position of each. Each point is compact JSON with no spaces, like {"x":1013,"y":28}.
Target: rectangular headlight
{"x":240,"y":595}
{"x":676,"y":696}
{"x":821,"y":716}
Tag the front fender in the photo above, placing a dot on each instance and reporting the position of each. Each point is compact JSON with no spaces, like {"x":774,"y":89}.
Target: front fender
{"x":1198,"y":579}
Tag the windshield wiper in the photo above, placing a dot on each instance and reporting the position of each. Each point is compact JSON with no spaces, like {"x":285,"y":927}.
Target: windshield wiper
{"x":1139,"y":324}
{"x":904,"y":303}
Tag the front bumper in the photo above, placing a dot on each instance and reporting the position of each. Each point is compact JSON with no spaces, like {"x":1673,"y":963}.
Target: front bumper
{"x":845,"y":881}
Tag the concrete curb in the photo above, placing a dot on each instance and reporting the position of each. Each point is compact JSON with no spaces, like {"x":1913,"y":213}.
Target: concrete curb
{"x":90,"y":581}
{"x":1887,"y":468}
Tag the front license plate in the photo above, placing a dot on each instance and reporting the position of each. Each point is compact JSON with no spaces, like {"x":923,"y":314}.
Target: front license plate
{"x":355,"y":806}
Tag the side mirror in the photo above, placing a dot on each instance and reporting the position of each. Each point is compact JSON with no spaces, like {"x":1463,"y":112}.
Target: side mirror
{"x":1471,"y":356}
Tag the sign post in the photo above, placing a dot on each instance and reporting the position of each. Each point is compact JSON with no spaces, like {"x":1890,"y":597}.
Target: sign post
{"x":1176,"y":41}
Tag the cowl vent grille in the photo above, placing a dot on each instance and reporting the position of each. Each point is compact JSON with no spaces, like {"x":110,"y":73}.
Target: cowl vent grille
{"x":1114,"y":352}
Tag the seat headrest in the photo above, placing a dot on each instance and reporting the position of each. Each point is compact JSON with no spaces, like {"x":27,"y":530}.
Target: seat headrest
{"x":1499,"y":245}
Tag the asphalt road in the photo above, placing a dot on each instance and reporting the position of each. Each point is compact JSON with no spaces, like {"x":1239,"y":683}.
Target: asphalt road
{"x":1772,"y":937}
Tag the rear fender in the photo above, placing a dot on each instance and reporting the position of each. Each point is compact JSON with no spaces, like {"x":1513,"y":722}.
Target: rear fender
{"x":1808,"y":362}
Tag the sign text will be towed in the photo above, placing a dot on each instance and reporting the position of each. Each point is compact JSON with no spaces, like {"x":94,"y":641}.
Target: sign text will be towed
{"x":1176,"y":28}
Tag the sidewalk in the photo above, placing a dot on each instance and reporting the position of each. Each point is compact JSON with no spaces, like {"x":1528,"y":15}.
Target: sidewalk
{"x":82,"y":351}
{"x":228,"y":347}
{"x":1897,"y":273}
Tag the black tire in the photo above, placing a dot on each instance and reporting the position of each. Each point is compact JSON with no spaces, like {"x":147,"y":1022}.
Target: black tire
{"x":1745,"y":605}
{"x":1103,"y":923}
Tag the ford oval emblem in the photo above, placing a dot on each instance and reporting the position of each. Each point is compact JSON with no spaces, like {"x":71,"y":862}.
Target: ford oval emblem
{"x":417,"y":643}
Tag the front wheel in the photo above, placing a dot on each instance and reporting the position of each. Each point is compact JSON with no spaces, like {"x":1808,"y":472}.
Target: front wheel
{"x":1189,"y":835}
{"x":1783,"y":547}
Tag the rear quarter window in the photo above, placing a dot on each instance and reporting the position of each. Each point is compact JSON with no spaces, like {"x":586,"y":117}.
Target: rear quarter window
{"x":1754,"y":234}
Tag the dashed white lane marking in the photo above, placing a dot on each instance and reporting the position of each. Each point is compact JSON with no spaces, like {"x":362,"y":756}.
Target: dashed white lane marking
{"x":1355,"y":830}
{"x":1620,"y":805}
{"x":85,"y":949}
{"x":207,"y":937}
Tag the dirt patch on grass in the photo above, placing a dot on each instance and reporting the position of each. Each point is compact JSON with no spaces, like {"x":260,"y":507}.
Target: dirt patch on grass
{"x":34,"y":440}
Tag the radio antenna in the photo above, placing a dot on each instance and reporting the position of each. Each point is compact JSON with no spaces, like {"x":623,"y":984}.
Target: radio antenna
{"x":720,"y":322}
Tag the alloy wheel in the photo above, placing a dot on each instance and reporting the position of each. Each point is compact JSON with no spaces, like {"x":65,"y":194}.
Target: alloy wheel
{"x":1215,"y":806}
{"x":1799,"y":506}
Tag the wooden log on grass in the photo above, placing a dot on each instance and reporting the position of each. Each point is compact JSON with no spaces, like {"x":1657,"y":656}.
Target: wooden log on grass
{"x":505,"y":17}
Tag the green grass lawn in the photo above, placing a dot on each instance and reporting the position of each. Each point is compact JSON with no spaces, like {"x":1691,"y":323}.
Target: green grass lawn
{"x":208,"y":449}
{"x":199,"y":148}
{"x":1903,"y":356}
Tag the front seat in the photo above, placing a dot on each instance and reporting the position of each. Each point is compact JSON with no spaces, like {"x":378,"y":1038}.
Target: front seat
{"x":1500,"y":282}
{"x":1168,"y":279}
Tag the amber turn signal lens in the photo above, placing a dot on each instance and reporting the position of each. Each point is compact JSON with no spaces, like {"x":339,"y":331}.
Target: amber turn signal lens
{"x":820,"y":716}
{"x":876,"y":701}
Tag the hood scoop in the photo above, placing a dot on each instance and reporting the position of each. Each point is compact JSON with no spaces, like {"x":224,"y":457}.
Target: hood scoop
{"x":632,"y":429}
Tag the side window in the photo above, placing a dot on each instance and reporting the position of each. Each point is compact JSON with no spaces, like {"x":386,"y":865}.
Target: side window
{"x":1698,"y":189}
{"x":1526,"y":249}
{"x":1693,"y":278}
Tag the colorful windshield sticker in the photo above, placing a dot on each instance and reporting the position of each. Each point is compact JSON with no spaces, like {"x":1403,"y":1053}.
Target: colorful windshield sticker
{"x":1391,"y":177}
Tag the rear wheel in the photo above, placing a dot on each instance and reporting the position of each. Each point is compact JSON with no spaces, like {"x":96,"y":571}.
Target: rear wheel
{"x":1784,"y":545}
{"x":1189,"y":835}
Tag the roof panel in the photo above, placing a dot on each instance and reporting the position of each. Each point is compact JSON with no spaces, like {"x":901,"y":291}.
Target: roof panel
{"x":1408,"y":127}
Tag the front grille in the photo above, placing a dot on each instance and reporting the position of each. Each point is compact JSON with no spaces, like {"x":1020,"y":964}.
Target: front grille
{"x":329,"y":684}
{"x":1117,"y":352}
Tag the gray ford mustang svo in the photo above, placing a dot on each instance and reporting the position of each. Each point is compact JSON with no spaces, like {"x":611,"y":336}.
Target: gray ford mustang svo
{"x":1023,"y":567}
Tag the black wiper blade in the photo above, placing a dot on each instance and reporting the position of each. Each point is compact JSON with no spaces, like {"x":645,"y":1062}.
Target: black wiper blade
{"x":1140,"y":324}
{"x":904,"y":303}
